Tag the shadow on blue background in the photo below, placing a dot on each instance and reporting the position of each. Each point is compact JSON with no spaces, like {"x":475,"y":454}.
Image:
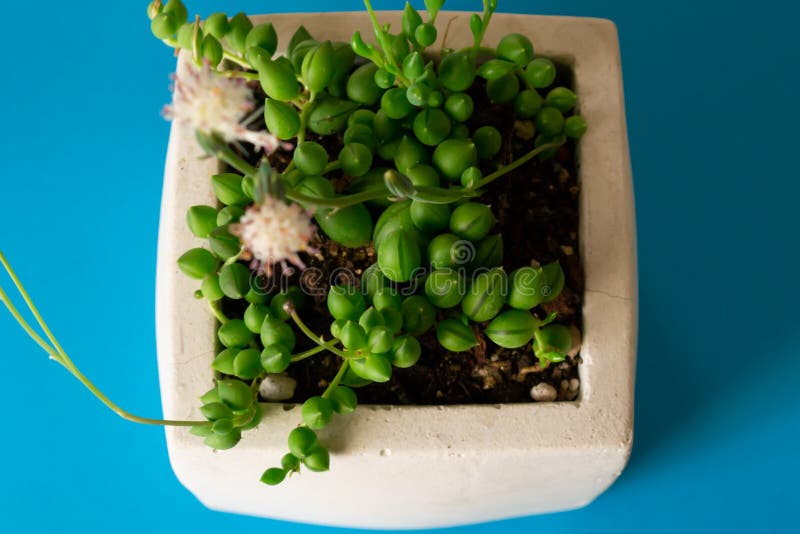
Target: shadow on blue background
{"x":712,"y":125}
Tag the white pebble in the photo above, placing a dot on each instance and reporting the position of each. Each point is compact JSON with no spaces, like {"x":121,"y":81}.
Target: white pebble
{"x":543,"y":392}
{"x":277,"y":387}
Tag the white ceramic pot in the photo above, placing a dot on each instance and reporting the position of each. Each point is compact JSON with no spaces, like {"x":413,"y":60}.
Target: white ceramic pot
{"x":431,"y":466}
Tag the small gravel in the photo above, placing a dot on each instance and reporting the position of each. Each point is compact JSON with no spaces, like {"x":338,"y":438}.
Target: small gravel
{"x":277,"y":388}
{"x":543,"y":392}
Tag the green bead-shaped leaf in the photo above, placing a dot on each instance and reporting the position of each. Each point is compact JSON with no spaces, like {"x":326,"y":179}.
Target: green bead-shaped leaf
{"x":282,"y":119}
{"x":561,"y":98}
{"x":254,"y":316}
{"x":453,"y":156}
{"x":471,"y":221}
{"x":343,"y":399}
{"x":503,"y":90}
{"x":223,"y":362}
{"x":234,"y":333}
{"x":198,"y":263}
{"x":240,"y":25}
{"x":290,"y":462}
{"x":540,"y":73}
{"x":273,"y":476}
{"x":276,"y":332}
{"x":318,"y":67}
{"x":457,"y":72}
{"x":432,"y":126}
{"x":228,"y":188}
{"x":350,"y":226}
{"x":496,"y":68}
{"x":278,"y":80}
{"x":406,"y":351}
{"x":355,"y":159}
{"x":216,"y":410}
{"x":329,"y":116}
{"x":370,"y":319}
{"x":346,"y":302}
{"x":247,"y":364}
{"x":399,"y":256}
{"x":375,"y":367}
{"x":380,"y":340}
{"x":575,"y":127}
{"x":300,"y":34}
{"x":516,"y":48}
{"x":486,"y":295}
{"x":549,"y":121}
{"x":235,"y":394}
{"x":230,"y":214}
{"x":234,"y":280}
{"x":223,"y":442}
{"x":275,"y":358}
{"x":318,"y":460}
{"x":302,"y":441}
{"x":223,"y":243}
{"x":446,"y":251}
{"x":217,"y":25}
{"x":455,"y":336}
{"x":554,"y":338}
{"x":410,"y":21}
{"x":361,"y":86}
{"x":264,"y":37}
{"x":528,"y":103}
{"x":353,"y":336}
{"x":317,"y":412}
{"x":511,"y":329}
{"x":444,"y":288}
{"x":201,"y":220}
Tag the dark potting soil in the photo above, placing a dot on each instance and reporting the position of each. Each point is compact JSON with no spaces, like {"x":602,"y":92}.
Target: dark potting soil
{"x":537,"y":210}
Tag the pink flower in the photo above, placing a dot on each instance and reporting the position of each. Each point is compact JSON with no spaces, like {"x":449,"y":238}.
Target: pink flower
{"x":210,"y":102}
{"x":275,"y":232}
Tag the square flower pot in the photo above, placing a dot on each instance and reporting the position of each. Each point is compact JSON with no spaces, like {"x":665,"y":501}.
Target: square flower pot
{"x":430,"y":466}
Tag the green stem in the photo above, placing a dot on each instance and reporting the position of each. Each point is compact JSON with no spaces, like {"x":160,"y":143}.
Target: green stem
{"x":441,"y":195}
{"x":59,"y":355}
{"x":233,"y":58}
{"x":332,"y":166}
{"x":316,"y":350}
{"x":301,"y":134}
{"x":487,"y":17}
{"x":515,"y":164}
{"x":221,"y":317}
{"x":234,"y":258}
{"x":216,"y":147}
{"x":319,"y":340}
{"x":226,"y":54}
{"x":127,"y":415}
{"x":32,"y":307}
{"x":387,"y":49}
{"x":338,"y":202}
{"x":28,"y":329}
{"x":336,"y":379}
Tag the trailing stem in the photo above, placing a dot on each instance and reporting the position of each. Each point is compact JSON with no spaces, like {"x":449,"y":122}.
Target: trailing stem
{"x":57,"y":353}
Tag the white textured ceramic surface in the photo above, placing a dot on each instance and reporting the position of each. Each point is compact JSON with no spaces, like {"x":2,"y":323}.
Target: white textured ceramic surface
{"x":410,"y":467}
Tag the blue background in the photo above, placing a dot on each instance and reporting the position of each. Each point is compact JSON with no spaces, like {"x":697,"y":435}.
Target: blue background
{"x":712,"y":118}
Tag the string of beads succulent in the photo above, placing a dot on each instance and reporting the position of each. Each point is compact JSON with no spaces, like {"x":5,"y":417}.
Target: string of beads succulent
{"x":364,"y":145}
